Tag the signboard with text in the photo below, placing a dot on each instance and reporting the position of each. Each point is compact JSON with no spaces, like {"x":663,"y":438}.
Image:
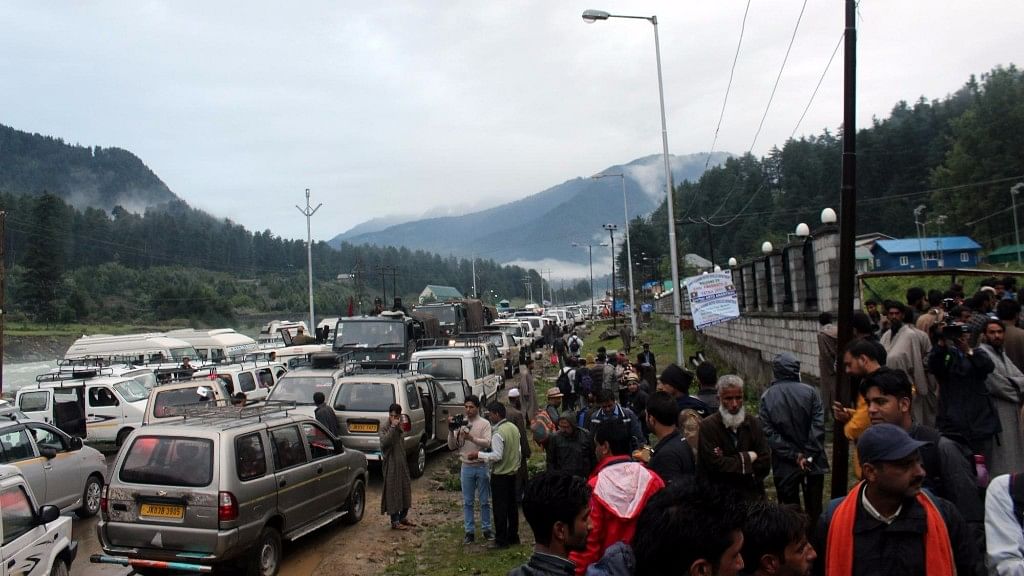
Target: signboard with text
{"x":712,"y":299}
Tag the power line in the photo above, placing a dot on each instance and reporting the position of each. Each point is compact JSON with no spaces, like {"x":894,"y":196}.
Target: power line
{"x":728,"y":87}
{"x":778,"y":78}
{"x":820,"y":80}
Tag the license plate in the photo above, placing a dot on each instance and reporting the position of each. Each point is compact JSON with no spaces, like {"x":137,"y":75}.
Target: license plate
{"x":162,"y":511}
{"x":362,"y":426}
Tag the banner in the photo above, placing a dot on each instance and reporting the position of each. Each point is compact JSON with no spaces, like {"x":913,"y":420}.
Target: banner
{"x":712,"y":299}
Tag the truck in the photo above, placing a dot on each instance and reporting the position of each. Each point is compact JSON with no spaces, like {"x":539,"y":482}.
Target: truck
{"x":388,"y":339}
{"x":458,"y":316}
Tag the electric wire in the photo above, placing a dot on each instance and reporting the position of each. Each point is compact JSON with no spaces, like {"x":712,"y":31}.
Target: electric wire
{"x":818,"y":86}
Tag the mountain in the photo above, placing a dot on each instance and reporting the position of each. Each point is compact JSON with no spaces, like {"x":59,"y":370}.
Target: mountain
{"x":381,"y":222}
{"x":543,"y":225}
{"x":82,"y":176}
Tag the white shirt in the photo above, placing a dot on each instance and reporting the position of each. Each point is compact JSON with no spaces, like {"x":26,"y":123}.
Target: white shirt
{"x":497,"y":446}
{"x":874,"y":511}
{"x":1004,"y":537}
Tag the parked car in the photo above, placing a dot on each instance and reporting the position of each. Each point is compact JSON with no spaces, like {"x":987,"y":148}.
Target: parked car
{"x":103,"y":409}
{"x":165,"y":401}
{"x":507,"y":348}
{"x":36,"y":539}
{"x":60,"y":469}
{"x":255,"y":379}
{"x":227,"y":490}
{"x":469,"y":364}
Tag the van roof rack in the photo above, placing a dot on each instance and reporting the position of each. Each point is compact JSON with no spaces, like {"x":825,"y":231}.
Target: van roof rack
{"x":224,"y":410}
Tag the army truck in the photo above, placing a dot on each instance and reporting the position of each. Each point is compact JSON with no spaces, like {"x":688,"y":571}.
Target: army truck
{"x":386,"y":340}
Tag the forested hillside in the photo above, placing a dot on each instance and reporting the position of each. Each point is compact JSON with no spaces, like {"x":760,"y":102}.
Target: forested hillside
{"x":957,"y":156}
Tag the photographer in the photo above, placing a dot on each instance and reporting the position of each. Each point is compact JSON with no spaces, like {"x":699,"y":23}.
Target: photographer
{"x":965,"y":408}
{"x":469,"y":435}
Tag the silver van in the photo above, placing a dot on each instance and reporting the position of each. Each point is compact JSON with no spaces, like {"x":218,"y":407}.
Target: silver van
{"x":226,"y":485}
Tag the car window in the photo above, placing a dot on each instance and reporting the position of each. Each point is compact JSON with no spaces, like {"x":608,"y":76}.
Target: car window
{"x":165,"y":400}
{"x":246,"y":381}
{"x":412,"y":395}
{"x":18,"y":515}
{"x":170,"y":461}
{"x":320,"y":443}
{"x":441,"y":367}
{"x":251,"y":460}
{"x":365,"y":397}
{"x":33,"y":401}
{"x":266,"y":378}
{"x":47,"y":438}
{"x":100,"y":397}
{"x":132,"y":390}
{"x":15,"y":445}
{"x":300,"y":389}
{"x":452,"y":393}
{"x":288,"y":448}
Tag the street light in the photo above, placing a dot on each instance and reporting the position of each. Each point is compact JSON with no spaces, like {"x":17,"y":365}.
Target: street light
{"x":611,"y":228}
{"x":590,"y":251}
{"x":308,"y":213}
{"x":1016,"y":230}
{"x":732,"y":262}
{"x":629,"y":251}
{"x":591,"y":16}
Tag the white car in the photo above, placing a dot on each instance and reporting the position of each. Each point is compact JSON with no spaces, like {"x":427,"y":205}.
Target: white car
{"x":37,"y":540}
{"x":104,"y":409}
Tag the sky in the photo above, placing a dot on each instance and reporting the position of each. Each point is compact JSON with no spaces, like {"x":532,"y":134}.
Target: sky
{"x":407,"y":106}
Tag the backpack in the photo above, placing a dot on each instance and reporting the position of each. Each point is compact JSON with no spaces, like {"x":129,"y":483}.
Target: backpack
{"x":1017,"y":495}
{"x":586,"y":382}
{"x":563,"y":384}
{"x":574,"y":345}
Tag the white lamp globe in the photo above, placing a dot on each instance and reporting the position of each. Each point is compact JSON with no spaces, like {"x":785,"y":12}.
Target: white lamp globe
{"x":767,"y":248}
{"x":803,"y":230}
{"x":732,"y":262}
{"x":828,"y":216}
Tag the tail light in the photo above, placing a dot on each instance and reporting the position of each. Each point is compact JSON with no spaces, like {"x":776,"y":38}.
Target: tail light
{"x":393,"y":356}
{"x":227,"y":507}
{"x":406,"y":423}
{"x":103,"y":502}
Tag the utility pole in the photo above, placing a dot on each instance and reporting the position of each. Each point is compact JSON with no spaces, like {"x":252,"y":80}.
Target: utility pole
{"x":611,"y":228}
{"x":847,"y":233}
{"x":919,"y":225}
{"x":308,"y":213}
{"x":1016,"y":229}
{"x":474,"y":276}
{"x":528,"y":284}
{"x":590,"y":252}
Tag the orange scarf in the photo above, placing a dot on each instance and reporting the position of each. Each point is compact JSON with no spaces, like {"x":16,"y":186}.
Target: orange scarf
{"x":938,"y":551}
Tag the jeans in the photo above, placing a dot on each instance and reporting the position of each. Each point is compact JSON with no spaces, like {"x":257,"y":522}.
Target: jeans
{"x":474,"y":479}
{"x":506,"y":510}
{"x":396,"y":518}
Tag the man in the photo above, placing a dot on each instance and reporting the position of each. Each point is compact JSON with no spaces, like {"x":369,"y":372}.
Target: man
{"x":603,"y":373}
{"x":325,"y":414}
{"x":881,"y":323}
{"x":672,"y":459}
{"x":707,"y":378}
{"x":794,"y":422}
{"x":1006,"y":390}
{"x":965,"y":408}
{"x":862,"y":358}
{"x":936,"y":314}
{"x":527,"y":389}
{"x":828,"y":338}
{"x":557,"y":508}
{"x":574,"y":345}
{"x":1013,"y":338}
{"x":981,"y":306}
{"x":621,"y":489}
{"x":775,"y":541}
{"x":505,"y":458}
{"x":611,"y":411}
{"x":916,"y":303}
{"x":732,"y":449}
{"x":906,"y":349}
{"x":514,"y":414}
{"x":948,"y":465}
{"x":554,"y":402}
{"x":646,"y":358}
{"x":626,"y":333}
{"x":558,"y":349}
{"x":1004,"y":515}
{"x":301,"y":338}
{"x":571,"y":449}
{"x":886,"y":525}
{"x":676,"y":382}
{"x":636,"y":400}
{"x":469,"y":439}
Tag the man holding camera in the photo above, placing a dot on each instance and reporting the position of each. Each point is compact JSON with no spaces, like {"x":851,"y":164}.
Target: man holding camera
{"x":965,"y":408}
{"x":469,"y":435}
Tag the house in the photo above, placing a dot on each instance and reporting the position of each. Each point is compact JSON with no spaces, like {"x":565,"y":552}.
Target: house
{"x":1005,"y":255}
{"x":433,"y":293}
{"x":937,"y":252}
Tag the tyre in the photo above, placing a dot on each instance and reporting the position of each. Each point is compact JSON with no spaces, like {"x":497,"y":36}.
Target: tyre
{"x":418,"y":461}
{"x":265,"y":558}
{"x":356,"y":503}
{"x":60,"y":568}
{"x":90,"y":498}
{"x":121,"y":436}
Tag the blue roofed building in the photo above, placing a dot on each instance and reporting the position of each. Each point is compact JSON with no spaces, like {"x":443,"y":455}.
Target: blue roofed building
{"x":921,"y":253}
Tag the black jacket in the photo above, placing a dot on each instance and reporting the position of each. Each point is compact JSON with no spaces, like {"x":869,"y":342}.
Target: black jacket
{"x":793,"y":419}
{"x":673,"y":459}
{"x":573,"y":454}
{"x":965,"y":407}
{"x":326,"y":416}
{"x":545,"y":565}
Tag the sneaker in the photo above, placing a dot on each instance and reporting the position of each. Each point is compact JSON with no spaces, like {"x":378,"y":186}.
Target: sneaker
{"x":488,"y":535}
{"x":469,"y":539}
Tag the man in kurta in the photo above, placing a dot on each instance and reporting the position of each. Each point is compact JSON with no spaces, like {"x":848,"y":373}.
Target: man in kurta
{"x":396,"y":495}
{"x":827,"y":360}
{"x":907,"y":348}
{"x":1005,"y":386}
{"x":1013,"y":341}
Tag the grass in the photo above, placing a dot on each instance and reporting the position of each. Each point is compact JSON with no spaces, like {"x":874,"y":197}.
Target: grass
{"x":22,"y":328}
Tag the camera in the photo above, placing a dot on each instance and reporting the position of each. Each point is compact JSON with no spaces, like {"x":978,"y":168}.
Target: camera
{"x":458,"y":421}
{"x":948,"y":304}
{"x":954,"y":330}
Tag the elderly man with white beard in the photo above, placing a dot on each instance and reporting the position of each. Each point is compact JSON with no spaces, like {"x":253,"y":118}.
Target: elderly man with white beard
{"x":733,"y":450}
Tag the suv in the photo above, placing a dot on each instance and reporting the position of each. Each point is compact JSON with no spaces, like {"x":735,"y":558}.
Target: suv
{"x":227,"y":485}
{"x":255,"y":379}
{"x":165,"y":401}
{"x":361,"y":402}
{"x":37,"y":540}
{"x":103,"y":409}
{"x":466,"y":363}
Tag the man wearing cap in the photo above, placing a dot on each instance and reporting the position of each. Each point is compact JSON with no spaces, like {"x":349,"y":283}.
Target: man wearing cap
{"x":635,"y":399}
{"x":514,"y":414}
{"x":887,"y":524}
{"x":676,"y":382}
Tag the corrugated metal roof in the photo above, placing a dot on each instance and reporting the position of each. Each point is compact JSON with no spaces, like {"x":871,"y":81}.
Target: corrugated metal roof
{"x":443,"y":292}
{"x":1011,"y":249}
{"x":914,"y":246}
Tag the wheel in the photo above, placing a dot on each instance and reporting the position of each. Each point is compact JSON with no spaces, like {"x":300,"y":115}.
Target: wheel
{"x":90,"y":498}
{"x":265,"y":558}
{"x":121,"y":436}
{"x":418,"y":461}
{"x":60,"y":568}
{"x":356,"y":503}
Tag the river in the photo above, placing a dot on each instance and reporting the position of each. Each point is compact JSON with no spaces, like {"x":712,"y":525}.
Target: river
{"x":18,"y":374}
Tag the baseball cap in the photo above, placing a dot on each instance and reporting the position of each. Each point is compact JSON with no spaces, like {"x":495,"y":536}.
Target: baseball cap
{"x":886,"y":443}
{"x":513,"y":392}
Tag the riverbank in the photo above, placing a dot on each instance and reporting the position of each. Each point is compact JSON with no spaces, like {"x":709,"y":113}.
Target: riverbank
{"x":36,"y":348}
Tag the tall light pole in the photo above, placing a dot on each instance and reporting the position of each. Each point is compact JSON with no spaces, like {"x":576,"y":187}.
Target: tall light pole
{"x":308,"y":213}
{"x":590,"y":252}
{"x":1016,"y":229}
{"x":591,"y":16}
{"x":919,"y":224}
{"x":611,"y":228}
{"x":629,"y":250}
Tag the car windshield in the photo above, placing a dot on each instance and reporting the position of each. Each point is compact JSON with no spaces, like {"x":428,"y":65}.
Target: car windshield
{"x":495,"y":339}
{"x":168,"y":461}
{"x":132,"y":390}
{"x":365,"y":397}
{"x":444,"y":314}
{"x":167,"y":399}
{"x":370,"y":333}
{"x":453,"y":392}
{"x":179,"y":354}
{"x":441,"y":368}
{"x":147,"y":379}
{"x":300,"y":389}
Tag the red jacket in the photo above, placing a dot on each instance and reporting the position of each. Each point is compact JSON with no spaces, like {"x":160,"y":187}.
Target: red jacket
{"x":621,"y":489}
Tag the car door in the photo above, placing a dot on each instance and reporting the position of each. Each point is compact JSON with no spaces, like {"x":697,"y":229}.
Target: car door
{"x":36,"y":404}
{"x":25,"y":539}
{"x":416,"y":412}
{"x":17,"y":449}
{"x":449,"y":400}
{"x":258,"y":483}
{"x":335,"y":478}
{"x":62,"y":473}
{"x":103,"y":413}
{"x":296,"y":476}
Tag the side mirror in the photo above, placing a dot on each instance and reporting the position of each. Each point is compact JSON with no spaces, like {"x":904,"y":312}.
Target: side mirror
{"x":76,"y":443}
{"x":48,"y":514}
{"x":339,"y":448}
{"x":48,"y":452}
